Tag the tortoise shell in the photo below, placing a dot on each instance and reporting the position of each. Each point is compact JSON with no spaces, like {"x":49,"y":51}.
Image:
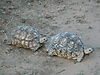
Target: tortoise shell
{"x":67,"y":45}
{"x":27,"y":37}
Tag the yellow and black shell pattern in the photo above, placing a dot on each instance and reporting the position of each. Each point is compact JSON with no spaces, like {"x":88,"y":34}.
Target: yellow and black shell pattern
{"x":27,"y":37}
{"x":65,"y":44}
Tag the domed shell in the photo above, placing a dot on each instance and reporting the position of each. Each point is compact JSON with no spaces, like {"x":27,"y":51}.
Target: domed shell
{"x":65,"y":44}
{"x":27,"y":37}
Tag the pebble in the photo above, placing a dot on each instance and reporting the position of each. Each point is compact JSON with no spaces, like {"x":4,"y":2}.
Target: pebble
{"x":90,"y":27}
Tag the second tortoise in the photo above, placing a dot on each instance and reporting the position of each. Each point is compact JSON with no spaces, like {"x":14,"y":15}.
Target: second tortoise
{"x":67,"y":45}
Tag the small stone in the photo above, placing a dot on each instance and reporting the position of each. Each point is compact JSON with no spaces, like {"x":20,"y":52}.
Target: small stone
{"x":29,"y":3}
{"x":23,"y":20}
{"x":98,"y":1}
{"x":90,"y":27}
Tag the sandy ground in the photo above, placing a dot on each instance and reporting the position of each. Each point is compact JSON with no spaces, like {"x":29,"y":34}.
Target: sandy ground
{"x":81,"y":17}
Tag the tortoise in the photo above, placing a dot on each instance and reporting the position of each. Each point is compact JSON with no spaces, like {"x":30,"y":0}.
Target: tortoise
{"x":26,"y":37}
{"x":67,"y":45}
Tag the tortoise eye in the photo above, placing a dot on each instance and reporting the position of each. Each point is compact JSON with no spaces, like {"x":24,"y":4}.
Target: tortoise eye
{"x":89,"y":50}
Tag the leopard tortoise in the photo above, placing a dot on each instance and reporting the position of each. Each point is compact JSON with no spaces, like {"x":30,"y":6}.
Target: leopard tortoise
{"x":67,"y":45}
{"x":27,"y":37}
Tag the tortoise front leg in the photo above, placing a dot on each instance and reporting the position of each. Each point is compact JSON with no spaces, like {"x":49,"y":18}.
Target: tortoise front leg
{"x":80,"y":56}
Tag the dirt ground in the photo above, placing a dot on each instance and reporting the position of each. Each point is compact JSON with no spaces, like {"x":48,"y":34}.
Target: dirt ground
{"x":81,"y":17}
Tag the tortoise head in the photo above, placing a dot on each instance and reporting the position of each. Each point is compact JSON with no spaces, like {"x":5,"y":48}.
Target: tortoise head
{"x":88,"y":50}
{"x":43,"y":39}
